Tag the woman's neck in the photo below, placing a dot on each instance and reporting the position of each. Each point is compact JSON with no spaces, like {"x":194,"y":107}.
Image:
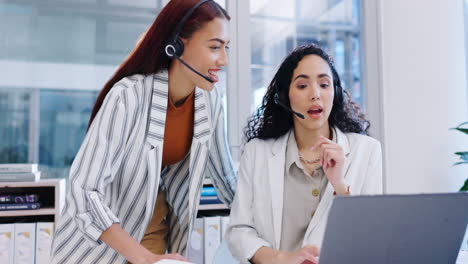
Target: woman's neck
{"x":307,"y":138}
{"x":179,"y":86}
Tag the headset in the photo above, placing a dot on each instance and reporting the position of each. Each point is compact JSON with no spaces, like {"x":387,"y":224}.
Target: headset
{"x":175,"y":47}
{"x":339,"y":95}
{"x":278,"y":102}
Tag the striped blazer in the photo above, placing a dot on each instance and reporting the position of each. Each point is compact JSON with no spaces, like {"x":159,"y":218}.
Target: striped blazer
{"x":117,"y":172}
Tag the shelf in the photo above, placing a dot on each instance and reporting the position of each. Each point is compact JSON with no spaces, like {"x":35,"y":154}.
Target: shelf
{"x":40,"y":183}
{"x":44,"y":211}
{"x":212,"y":207}
{"x":207,"y":181}
{"x":51,"y":196}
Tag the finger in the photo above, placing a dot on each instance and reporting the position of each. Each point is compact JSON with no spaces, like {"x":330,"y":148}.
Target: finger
{"x":329,"y":158}
{"x":325,"y":159}
{"x":325,"y":154}
{"x":325,"y":139}
{"x":334,"y":153}
{"x":322,"y":160}
{"x":330,"y":146}
{"x":327,"y":147}
{"x":314,"y":250}
{"x":320,"y":141}
{"x":324,"y":149}
{"x":308,"y":254}
{"x":310,"y":257}
{"x":335,"y":156}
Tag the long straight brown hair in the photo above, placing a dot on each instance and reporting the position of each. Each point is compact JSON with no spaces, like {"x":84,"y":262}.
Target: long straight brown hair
{"x":149,"y":56}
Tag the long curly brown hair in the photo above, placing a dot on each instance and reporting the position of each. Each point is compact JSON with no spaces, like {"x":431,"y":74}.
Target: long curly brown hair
{"x":272,"y":121}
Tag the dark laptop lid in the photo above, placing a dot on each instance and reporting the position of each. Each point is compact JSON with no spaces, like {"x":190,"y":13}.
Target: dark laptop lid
{"x":396,"y":229}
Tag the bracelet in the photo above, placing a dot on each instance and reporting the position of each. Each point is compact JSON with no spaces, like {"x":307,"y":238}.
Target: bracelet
{"x":346,"y":193}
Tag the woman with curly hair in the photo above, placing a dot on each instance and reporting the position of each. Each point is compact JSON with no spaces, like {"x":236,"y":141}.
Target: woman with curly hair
{"x":307,"y":142}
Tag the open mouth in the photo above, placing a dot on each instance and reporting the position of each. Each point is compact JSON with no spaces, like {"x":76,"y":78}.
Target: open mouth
{"x":315,"y":112}
{"x":213,"y":74}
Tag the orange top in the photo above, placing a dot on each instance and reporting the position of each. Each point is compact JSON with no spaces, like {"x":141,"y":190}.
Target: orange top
{"x":178,"y":136}
{"x":178,"y":132}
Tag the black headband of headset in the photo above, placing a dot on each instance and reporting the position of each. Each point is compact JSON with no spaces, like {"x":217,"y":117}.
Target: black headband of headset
{"x":184,"y":19}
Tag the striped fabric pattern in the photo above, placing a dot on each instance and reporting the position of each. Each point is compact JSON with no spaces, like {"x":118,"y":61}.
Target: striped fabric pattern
{"x":117,"y":171}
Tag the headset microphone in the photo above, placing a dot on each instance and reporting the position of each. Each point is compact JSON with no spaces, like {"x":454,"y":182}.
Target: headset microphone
{"x":175,"y":46}
{"x":184,"y":63}
{"x":278,"y":102}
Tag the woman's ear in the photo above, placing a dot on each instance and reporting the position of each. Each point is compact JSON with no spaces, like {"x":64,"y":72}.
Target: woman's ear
{"x":184,"y":40}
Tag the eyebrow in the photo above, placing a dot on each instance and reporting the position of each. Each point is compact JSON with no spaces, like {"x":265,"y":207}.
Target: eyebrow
{"x":324,"y":75}
{"x":302,"y":76}
{"x":308,"y":77}
{"x":219,"y":40}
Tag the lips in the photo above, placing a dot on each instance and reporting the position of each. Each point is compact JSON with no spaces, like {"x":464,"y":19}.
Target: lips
{"x":315,"y":111}
{"x":213,"y":74}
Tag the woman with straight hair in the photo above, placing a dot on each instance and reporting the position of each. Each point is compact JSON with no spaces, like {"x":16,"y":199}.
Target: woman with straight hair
{"x":156,"y":130}
{"x":307,"y":143}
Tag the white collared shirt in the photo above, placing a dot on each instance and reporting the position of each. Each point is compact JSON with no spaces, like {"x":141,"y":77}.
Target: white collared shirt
{"x":302,"y":195}
{"x":257,"y":211}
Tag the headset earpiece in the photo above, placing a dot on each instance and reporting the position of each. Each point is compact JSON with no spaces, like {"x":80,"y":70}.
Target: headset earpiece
{"x":179,"y":47}
{"x":276,"y":98}
{"x":175,"y":48}
{"x":338,"y":95}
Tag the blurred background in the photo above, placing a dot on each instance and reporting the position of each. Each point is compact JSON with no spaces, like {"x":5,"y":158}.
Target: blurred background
{"x":404,"y":63}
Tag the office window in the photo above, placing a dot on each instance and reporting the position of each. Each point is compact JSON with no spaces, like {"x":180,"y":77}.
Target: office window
{"x":280,"y":26}
{"x":55,"y":57}
{"x":15,"y":114}
{"x":64,"y":116}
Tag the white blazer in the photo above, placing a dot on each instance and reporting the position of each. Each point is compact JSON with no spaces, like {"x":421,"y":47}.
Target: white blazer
{"x":117,"y":172}
{"x":257,"y":210}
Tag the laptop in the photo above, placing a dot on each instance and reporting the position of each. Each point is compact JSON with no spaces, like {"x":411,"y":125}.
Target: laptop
{"x":396,"y":229}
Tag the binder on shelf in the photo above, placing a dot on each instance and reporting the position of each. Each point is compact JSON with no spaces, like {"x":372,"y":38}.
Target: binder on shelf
{"x":210,"y":200}
{"x":208,"y":191}
{"x":44,"y":233}
{"x":25,"y":239}
{"x":212,"y":237}
{"x":7,"y":243}
{"x":18,"y":167}
{"x":19,"y":206}
{"x":195,"y":250}
{"x":20,"y":177}
{"x":27,"y":198}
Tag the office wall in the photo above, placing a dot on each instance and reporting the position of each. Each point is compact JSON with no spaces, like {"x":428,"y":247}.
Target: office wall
{"x":424,"y":92}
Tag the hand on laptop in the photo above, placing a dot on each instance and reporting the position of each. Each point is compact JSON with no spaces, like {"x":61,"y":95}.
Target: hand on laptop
{"x":305,"y":255}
